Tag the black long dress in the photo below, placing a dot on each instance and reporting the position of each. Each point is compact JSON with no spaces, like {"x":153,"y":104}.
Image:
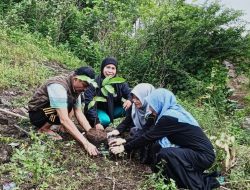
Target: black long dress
{"x":187,"y":163}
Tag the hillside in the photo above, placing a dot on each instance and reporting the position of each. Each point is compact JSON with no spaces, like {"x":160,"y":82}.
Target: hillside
{"x":32,"y":161}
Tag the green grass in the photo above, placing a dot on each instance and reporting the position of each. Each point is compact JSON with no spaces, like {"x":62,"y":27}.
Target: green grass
{"x":24,"y":58}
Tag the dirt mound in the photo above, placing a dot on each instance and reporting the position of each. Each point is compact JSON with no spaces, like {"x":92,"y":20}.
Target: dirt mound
{"x":96,"y":136}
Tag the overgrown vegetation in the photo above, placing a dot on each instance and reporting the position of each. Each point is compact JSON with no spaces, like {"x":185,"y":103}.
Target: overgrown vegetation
{"x":158,"y":181}
{"x":167,"y":43}
{"x":151,"y":38}
{"x":33,"y":165}
{"x":26,"y":61}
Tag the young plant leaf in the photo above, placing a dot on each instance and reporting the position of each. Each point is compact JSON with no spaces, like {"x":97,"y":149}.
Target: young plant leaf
{"x":109,"y":88}
{"x":106,"y":81}
{"x":100,"y":99}
{"x":104,"y":91}
{"x":91,"y":104}
{"x":95,"y":85}
{"x":83,"y":78}
{"x":116,"y":80}
{"x":88,"y":80}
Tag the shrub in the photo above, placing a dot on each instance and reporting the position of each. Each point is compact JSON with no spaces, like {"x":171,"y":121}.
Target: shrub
{"x":34,"y":164}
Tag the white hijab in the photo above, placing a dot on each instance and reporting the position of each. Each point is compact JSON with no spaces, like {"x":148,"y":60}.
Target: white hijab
{"x":141,"y":91}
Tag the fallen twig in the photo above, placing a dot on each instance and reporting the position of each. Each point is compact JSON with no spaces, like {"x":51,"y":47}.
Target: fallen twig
{"x":222,"y":187}
{"x":108,"y":178}
{"x":23,"y":130}
{"x":14,"y":114}
{"x":240,"y":181}
{"x":113,"y":183}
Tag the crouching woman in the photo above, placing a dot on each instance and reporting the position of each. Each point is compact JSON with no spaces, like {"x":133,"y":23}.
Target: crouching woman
{"x":194,"y":153}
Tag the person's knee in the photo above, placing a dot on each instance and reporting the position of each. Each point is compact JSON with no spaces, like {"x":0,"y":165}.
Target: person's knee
{"x":105,"y":120}
{"x":119,"y":112}
{"x":165,"y":153}
{"x":160,"y":159}
{"x":103,"y":117}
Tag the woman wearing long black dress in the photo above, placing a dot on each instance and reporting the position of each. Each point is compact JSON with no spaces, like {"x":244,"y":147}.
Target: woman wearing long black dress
{"x":195,"y":154}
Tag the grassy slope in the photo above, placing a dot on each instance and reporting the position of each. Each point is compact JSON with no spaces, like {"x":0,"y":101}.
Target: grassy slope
{"x":23,"y":59}
{"x":25,"y":62}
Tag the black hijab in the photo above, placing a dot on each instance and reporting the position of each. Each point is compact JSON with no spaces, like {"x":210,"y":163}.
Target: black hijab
{"x":107,"y":61}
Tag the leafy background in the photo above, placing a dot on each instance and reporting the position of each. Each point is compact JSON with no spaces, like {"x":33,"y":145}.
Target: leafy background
{"x":167,"y":43}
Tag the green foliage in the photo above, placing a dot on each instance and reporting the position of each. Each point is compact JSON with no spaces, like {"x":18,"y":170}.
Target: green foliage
{"x":218,"y":125}
{"x":82,"y":26}
{"x":183,"y":46}
{"x":206,"y":115}
{"x":21,"y":101}
{"x":96,"y":99}
{"x":106,"y":81}
{"x":104,"y":91}
{"x":167,"y":43}
{"x":99,"y":99}
{"x":19,"y":63}
{"x":109,"y":88}
{"x":106,"y":88}
{"x":239,"y":175}
{"x":158,"y":182}
{"x":175,"y":44}
{"x":24,"y":59}
{"x":247,"y":99}
{"x":34,"y":164}
{"x":107,"y":84}
{"x":88,"y":80}
{"x":116,"y":80}
{"x":91,"y":104}
{"x":112,"y":80}
{"x":210,"y":119}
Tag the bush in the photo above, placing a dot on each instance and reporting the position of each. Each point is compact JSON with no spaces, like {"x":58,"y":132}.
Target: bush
{"x":34,"y":164}
{"x":157,"y":181}
{"x":183,"y":46}
{"x":175,"y":44}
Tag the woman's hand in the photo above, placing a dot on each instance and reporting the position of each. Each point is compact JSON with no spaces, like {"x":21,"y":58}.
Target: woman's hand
{"x":117,"y":149}
{"x":127,"y":104}
{"x":117,"y":142}
{"x":113,"y":133}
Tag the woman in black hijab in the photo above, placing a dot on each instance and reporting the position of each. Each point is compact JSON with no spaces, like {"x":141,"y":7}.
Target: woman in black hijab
{"x":105,"y":112}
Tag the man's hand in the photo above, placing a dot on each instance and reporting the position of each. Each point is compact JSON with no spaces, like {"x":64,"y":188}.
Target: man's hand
{"x":99,"y":126}
{"x":117,"y":149}
{"x":117,"y":142}
{"x":113,"y":133}
{"x":127,"y":104}
{"x":91,"y":149}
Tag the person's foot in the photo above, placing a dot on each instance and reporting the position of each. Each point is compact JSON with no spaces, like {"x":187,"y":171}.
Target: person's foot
{"x":58,"y":128}
{"x":53,"y":135}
